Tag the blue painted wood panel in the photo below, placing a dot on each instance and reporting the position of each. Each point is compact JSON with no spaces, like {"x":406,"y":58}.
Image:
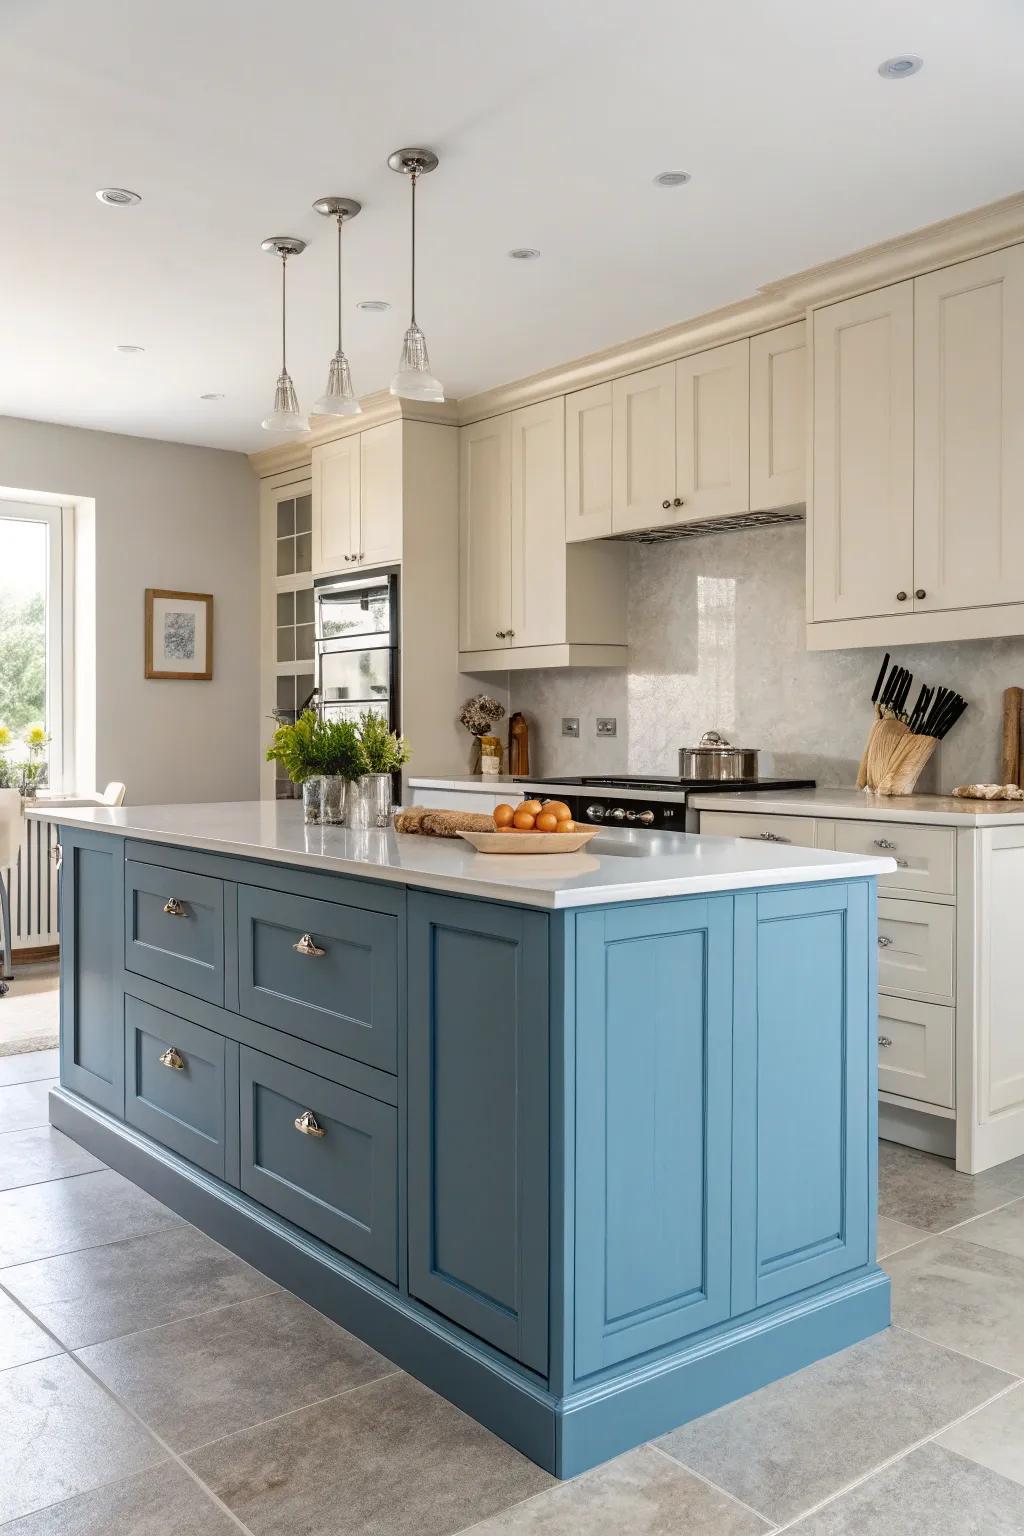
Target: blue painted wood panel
{"x":91,"y":918}
{"x":184,"y":1108}
{"x":478,"y":1119}
{"x":345,"y":999}
{"x":186,"y":950}
{"x":342,"y":1186}
{"x":653,"y":1119}
{"x":803,"y":1076}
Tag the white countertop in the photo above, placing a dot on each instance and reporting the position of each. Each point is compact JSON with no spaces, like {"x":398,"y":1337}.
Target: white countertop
{"x":618,"y":865}
{"x":518,"y":789}
{"x":858,"y":804}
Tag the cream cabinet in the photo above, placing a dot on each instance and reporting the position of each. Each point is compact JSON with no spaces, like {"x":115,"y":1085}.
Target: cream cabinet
{"x":778,"y":411}
{"x":713,"y":434}
{"x":485,"y":535}
{"x":527,"y":597}
{"x":862,"y":533}
{"x":644,"y":449}
{"x":588,"y":463}
{"x":969,"y":433}
{"x":357,"y":500}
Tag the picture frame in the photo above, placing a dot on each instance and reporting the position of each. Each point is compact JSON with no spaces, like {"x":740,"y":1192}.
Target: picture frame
{"x":179,"y":635}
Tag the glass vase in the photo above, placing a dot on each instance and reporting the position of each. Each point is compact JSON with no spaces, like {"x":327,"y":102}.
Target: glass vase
{"x":371,"y":805}
{"x":323,"y":800}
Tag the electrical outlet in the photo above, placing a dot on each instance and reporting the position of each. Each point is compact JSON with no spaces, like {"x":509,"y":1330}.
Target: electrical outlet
{"x":570,"y":725}
{"x":606,"y":725}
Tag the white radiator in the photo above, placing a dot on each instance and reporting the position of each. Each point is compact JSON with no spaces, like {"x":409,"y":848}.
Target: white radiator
{"x":32,"y":883}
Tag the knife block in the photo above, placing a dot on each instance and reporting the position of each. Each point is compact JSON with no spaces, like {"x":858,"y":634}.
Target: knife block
{"x":894,"y":758}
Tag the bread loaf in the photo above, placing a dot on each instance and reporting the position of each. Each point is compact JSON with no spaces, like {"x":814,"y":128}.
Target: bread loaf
{"x":434,"y":823}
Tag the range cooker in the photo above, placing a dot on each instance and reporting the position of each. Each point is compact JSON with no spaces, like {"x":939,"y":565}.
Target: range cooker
{"x":643,"y":801}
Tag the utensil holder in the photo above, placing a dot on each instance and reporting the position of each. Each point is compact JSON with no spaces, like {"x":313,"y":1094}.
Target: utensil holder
{"x":906,"y":764}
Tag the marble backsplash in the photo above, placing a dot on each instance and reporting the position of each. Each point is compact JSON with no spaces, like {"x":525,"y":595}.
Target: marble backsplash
{"x":716,"y":640}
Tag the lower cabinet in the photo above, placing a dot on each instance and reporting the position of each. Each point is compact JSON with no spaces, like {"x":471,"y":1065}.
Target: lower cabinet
{"x":91,"y":940}
{"x":478,"y":1119}
{"x":323,"y":1156}
{"x":653,"y":1126}
{"x":174,"y":1083}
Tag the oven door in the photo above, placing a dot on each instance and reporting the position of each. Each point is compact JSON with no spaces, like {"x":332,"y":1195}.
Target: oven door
{"x":358,"y":608}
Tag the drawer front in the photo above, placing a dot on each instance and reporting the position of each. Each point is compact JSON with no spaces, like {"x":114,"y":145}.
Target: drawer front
{"x":915,"y":949}
{"x":915,"y":1050}
{"x":174,"y":1083}
{"x":344,"y":996}
{"x":341,"y":1185}
{"x":174,"y":929}
{"x":925,"y":856}
{"x":798,"y":830}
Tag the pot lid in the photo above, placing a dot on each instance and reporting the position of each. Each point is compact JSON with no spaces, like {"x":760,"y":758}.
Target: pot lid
{"x":713,"y":741}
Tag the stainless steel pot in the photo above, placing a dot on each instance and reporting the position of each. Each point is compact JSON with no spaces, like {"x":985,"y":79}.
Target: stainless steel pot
{"x":714,"y":758}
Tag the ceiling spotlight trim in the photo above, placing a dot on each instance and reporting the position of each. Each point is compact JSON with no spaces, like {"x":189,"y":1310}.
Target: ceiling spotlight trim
{"x":901,"y":66}
{"x":118,"y":197}
{"x":374,"y":306}
{"x":524,"y":253}
{"x":672,"y":178}
{"x":126,"y":347}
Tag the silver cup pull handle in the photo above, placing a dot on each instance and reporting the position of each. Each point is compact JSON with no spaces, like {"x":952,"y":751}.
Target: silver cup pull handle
{"x":172,"y":1058}
{"x":308,"y":1124}
{"x":884,"y":1041}
{"x":173,"y":907}
{"x":307,"y":945}
{"x":883,"y":842}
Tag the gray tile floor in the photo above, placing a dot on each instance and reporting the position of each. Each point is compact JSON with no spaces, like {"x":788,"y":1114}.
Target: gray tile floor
{"x":152,"y":1384}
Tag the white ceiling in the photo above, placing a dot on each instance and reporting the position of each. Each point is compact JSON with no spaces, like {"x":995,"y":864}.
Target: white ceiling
{"x":550,"y":117}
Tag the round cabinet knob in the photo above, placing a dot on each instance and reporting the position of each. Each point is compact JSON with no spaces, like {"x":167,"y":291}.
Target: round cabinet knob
{"x":920,"y":592}
{"x":884,"y":941}
{"x":618,"y":814}
{"x":666,"y":505}
{"x":646,"y":818}
{"x":510,"y":634}
{"x":677,"y":501}
{"x":884,"y":1041}
{"x":901,"y":597}
{"x":595,"y":813}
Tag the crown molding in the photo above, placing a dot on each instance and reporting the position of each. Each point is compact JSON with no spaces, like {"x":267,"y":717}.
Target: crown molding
{"x":377,"y":409}
{"x":974,"y":233}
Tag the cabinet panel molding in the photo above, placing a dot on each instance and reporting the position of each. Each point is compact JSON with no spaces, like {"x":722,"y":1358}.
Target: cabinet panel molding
{"x":643,"y":449}
{"x":712,"y":476}
{"x":588,"y":463}
{"x":485,"y":535}
{"x":538,"y":525}
{"x":778,"y":417}
{"x":336,"y":481}
{"x":380,"y":495}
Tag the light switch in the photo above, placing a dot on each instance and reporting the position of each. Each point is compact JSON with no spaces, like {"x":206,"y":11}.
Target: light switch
{"x":606,"y":725}
{"x":570,"y":725}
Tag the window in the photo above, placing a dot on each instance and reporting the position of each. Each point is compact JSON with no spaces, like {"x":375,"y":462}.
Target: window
{"x":31,"y":692}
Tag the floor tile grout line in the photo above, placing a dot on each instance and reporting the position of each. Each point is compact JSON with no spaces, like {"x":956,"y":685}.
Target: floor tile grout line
{"x":189,"y":1317}
{"x":127,"y":1237}
{"x":169,"y":1452}
{"x":945,"y":1231}
{"x":974,"y":1359}
{"x":710,"y":1483}
{"x":893,"y":1461}
{"x":317,"y":1402}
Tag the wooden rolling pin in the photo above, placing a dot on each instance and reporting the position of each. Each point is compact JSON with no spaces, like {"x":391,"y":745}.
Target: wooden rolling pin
{"x":1011,"y":736}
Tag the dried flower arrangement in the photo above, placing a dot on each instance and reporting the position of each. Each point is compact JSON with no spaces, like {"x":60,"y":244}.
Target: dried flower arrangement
{"x":479,"y":715}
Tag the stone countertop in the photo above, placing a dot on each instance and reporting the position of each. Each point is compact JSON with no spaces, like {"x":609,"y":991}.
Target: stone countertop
{"x":618,"y":865}
{"x":858,"y":804}
{"x":518,"y":789}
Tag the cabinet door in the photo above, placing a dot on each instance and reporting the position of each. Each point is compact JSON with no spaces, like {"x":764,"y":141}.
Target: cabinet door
{"x":485,"y":536}
{"x":538,"y":524}
{"x":92,"y":949}
{"x":778,"y":439}
{"x":804,"y":1084}
{"x":712,"y":476}
{"x":969,"y":433}
{"x":335,"y":505}
{"x":644,"y":449}
{"x":478,"y":1119}
{"x":380,"y":495}
{"x":653,"y":1126}
{"x":588,"y":463}
{"x":862,"y":508}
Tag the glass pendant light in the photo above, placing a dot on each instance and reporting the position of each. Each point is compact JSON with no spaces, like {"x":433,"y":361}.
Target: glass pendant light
{"x":286,"y":416}
{"x":414,"y":380}
{"x":339,"y":397}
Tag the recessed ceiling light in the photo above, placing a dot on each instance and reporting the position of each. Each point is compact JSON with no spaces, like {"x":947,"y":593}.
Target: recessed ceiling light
{"x":128,"y":347}
{"x":672,"y":178}
{"x":900,"y":67}
{"x":375,"y":306}
{"x":524,"y":253}
{"x":118,"y":197}
{"x":211,"y":397}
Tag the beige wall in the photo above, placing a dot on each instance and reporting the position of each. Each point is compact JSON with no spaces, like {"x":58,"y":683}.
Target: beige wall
{"x":166,"y":515}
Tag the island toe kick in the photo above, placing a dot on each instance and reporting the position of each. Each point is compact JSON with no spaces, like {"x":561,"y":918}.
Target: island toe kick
{"x":587,"y":1172}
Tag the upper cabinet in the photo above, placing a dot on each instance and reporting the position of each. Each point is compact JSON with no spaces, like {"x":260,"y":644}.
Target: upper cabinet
{"x":863,"y":533}
{"x":915,"y":524}
{"x":644,"y":449}
{"x":527,"y":598}
{"x":778,"y":417}
{"x":588,"y":463}
{"x":713,"y":433}
{"x":357,"y":500}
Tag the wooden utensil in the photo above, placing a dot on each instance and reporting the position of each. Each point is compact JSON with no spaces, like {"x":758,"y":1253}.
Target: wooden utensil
{"x":1011,"y":765}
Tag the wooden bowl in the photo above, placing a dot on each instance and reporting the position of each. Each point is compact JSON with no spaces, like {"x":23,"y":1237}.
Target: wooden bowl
{"x":530,"y":842}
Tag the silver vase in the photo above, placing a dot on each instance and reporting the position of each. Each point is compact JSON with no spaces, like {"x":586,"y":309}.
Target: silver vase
{"x":323,"y":800}
{"x":371,"y":804}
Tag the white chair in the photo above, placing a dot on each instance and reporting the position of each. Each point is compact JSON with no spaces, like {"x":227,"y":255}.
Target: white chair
{"x":113,"y":794}
{"x":10,"y":842}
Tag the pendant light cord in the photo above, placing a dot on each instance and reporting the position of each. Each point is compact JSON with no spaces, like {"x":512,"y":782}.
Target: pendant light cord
{"x":413,"y":178}
{"x":284,"y":312}
{"x":339,"y":281}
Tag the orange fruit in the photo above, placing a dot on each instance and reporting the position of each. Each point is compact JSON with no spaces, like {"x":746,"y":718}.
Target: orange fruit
{"x":546,"y":821}
{"x":558,"y":809}
{"x":523,"y":820}
{"x":503,"y":815}
{"x":530,"y":806}
{"x":566,"y":825}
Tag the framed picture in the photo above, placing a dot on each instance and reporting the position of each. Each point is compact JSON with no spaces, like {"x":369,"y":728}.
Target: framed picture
{"x":179,"y":635}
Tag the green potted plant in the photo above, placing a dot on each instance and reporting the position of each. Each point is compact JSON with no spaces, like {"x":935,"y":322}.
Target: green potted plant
{"x":324,"y":756}
{"x":383,"y":753}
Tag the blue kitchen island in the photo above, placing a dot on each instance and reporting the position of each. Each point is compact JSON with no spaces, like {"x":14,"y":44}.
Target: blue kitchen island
{"x":585,"y":1143}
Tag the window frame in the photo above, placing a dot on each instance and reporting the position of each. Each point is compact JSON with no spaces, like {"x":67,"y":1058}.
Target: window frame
{"x":58,"y":657}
